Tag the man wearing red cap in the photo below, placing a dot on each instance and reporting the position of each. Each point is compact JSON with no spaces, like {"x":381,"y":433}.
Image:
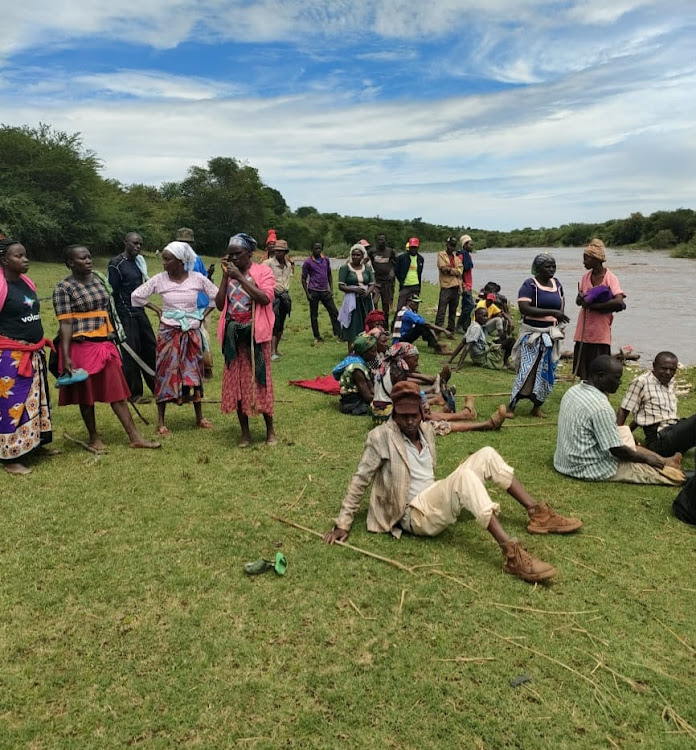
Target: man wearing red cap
{"x":408,"y":269}
{"x":399,"y":462}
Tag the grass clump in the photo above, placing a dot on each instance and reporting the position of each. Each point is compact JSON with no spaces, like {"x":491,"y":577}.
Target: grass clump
{"x":127,"y":619}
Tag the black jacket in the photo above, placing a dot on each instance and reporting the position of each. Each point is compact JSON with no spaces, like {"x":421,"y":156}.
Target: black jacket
{"x":403,"y":263}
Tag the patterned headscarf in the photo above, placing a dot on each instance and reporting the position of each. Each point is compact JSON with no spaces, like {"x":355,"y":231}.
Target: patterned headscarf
{"x":397,"y":355}
{"x":243,"y":240}
{"x":182,"y":251}
{"x":363,"y":343}
{"x":596,"y":249}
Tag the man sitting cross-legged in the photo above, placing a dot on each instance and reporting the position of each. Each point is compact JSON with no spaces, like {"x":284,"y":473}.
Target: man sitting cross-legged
{"x":653,"y":402}
{"x":399,"y":461}
{"x":591,"y":446}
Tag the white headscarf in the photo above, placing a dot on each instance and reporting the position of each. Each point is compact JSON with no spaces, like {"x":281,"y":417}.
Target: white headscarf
{"x":184,"y":252}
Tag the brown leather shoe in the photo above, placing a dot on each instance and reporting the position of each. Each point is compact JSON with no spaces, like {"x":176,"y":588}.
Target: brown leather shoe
{"x":518,"y":562}
{"x":543,"y":520}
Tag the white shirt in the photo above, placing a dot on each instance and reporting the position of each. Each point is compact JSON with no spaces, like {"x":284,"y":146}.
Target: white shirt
{"x":420,"y":467}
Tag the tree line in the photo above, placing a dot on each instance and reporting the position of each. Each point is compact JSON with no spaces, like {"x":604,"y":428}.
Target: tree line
{"x":52,"y":194}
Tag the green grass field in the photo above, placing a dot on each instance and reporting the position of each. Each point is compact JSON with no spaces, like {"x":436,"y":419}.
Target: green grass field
{"x":127,"y":619}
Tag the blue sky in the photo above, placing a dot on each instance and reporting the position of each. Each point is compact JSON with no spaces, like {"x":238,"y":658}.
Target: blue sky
{"x":486,"y":113}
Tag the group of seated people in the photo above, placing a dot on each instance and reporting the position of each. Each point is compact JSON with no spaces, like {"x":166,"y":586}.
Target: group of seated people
{"x":593,"y":443}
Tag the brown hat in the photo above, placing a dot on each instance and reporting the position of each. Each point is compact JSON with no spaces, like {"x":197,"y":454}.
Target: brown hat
{"x":184,"y":235}
{"x":281,"y":245}
{"x":406,"y":398}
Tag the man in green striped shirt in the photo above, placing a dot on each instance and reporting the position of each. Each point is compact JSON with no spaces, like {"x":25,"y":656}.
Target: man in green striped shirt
{"x":590,"y":445}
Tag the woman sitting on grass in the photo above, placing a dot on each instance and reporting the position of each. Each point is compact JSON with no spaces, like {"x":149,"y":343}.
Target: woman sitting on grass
{"x":25,"y":408}
{"x":355,"y":376}
{"x":401,"y":364}
{"x":87,"y":334}
{"x":180,"y":370}
{"x":245,"y":329}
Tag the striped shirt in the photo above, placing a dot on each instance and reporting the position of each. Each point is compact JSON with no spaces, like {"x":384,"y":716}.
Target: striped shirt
{"x":651,"y":402}
{"x":586,"y":432}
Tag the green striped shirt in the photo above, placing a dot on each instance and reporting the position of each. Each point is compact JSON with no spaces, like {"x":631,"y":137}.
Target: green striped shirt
{"x":586,"y":432}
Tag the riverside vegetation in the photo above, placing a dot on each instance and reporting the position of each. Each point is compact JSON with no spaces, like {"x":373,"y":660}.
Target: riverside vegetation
{"x":128,"y":620}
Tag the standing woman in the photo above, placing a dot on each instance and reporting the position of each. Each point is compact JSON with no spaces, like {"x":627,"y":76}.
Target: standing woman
{"x":81,"y":302}
{"x":245,"y":329}
{"x":600,"y":295}
{"x":179,"y":372}
{"x":356,"y":280}
{"x":538,"y":347}
{"x":25,"y":409}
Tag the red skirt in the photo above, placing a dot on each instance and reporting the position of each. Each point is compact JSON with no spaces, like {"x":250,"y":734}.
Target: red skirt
{"x":107,"y":385}
{"x":237,"y":385}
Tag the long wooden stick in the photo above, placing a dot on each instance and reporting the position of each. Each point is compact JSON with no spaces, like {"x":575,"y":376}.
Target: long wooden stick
{"x":137,"y":411}
{"x":83,"y":444}
{"x":540,"y":423}
{"x":388,"y":560}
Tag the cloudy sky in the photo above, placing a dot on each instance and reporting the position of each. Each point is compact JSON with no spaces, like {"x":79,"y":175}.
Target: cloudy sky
{"x":485,"y":113}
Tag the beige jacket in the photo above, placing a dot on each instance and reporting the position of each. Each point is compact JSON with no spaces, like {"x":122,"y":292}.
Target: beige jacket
{"x":384,"y":463}
{"x":449,"y":277}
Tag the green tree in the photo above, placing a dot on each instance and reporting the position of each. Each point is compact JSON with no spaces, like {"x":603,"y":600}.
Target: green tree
{"x":51,"y":192}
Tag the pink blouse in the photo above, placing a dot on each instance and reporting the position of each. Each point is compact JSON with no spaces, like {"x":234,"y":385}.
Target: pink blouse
{"x":182,"y":297}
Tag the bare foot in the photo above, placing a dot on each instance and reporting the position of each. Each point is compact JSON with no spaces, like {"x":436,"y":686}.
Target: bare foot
{"x":145,"y":444}
{"x":17,"y":469}
{"x":509,"y":414}
{"x":162,"y":430}
{"x":498,"y":417}
{"x":98,"y":445}
{"x":675,"y":461}
{"x":48,"y":452}
{"x":205,"y":424}
{"x":271,"y":439}
{"x":537,"y":412}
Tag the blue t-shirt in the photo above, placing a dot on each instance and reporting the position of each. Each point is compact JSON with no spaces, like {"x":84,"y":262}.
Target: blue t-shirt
{"x":409,"y":320}
{"x":548,"y":298}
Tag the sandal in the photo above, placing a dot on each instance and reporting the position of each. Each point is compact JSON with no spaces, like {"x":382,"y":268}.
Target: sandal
{"x":163,"y":431}
{"x":205,"y":424}
{"x":280,"y":565}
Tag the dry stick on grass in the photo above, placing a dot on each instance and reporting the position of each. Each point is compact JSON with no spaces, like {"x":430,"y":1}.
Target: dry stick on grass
{"x":598,"y":688}
{"x":401,"y":604}
{"x":542,"y":423}
{"x":299,"y":497}
{"x":452,"y":578}
{"x":601,"y":664}
{"x":83,"y":444}
{"x":469,"y":659}
{"x":582,"y":565}
{"x":681,"y":640}
{"x":669,"y":713}
{"x":355,"y":607}
{"x":545,"y":611}
{"x":388,"y":560}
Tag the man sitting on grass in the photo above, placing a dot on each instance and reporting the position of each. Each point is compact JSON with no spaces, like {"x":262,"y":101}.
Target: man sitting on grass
{"x":653,"y":402}
{"x":409,"y":326}
{"x":399,"y":462}
{"x":591,"y":446}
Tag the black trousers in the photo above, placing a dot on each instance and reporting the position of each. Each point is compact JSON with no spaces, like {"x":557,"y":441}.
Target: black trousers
{"x":449,"y":299}
{"x":467,"y":308}
{"x":281,"y":309}
{"x":326,"y":299}
{"x":420,"y":331}
{"x":677,"y":438}
{"x":141,"y":339}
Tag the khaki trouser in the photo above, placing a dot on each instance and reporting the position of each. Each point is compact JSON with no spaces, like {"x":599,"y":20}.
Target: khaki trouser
{"x":628,"y":471}
{"x":433,"y":510}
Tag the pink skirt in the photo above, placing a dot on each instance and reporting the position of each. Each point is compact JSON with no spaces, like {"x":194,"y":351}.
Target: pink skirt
{"x":105,"y":384}
{"x":237,"y":385}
